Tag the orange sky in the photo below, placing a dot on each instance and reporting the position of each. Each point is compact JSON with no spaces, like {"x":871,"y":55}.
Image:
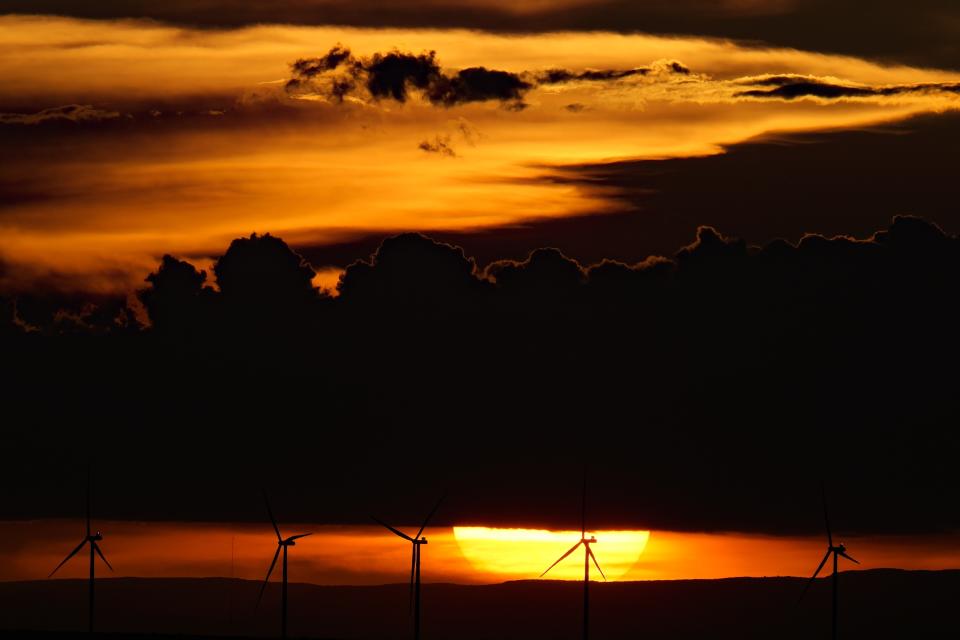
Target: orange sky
{"x":371,"y":555}
{"x":206,"y":146}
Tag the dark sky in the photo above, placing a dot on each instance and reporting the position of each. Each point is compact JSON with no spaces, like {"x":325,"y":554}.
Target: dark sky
{"x":920,"y":33}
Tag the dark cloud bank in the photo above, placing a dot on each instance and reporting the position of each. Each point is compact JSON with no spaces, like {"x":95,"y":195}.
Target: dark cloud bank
{"x":709,"y":389}
{"x":922,"y":32}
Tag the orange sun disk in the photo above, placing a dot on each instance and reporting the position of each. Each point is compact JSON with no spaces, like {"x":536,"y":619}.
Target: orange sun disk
{"x":525,"y":553}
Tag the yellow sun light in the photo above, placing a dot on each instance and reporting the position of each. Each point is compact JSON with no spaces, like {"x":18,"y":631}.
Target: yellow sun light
{"x":526,"y":553}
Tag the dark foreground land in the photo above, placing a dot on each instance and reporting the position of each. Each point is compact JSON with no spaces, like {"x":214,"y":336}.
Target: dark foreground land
{"x":875,"y":604}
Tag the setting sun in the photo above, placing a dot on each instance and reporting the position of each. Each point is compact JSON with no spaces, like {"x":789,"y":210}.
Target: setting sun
{"x":525,"y":553}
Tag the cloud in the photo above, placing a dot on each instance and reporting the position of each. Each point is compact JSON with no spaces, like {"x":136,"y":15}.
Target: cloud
{"x":262,"y":270}
{"x":78,"y":113}
{"x":794,"y":87}
{"x":710,"y":248}
{"x":393,"y":75}
{"x":413,"y":269}
{"x":545,"y":272}
{"x":561,"y":76}
{"x":677,"y":67}
{"x":440,"y":144}
{"x":176,"y":298}
{"x":339,"y":74}
{"x":478,"y":84}
{"x":53,"y":313}
{"x":711,"y":368}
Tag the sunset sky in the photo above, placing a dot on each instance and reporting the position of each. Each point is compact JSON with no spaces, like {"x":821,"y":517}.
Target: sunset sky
{"x":607,"y":129}
{"x":463,"y":555}
{"x":128,"y":138}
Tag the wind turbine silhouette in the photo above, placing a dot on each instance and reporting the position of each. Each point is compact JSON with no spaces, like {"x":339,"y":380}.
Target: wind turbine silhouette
{"x":836,"y":552}
{"x":92,"y":540}
{"x":282,"y":543}
{"x":587,"y":557}
{"x":417,"y":541}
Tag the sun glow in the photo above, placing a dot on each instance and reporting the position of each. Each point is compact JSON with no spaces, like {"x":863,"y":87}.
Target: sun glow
{"x":525,"y":553}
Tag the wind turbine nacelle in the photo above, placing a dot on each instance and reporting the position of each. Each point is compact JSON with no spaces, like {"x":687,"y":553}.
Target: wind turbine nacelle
{"x":422,"y":541}
{"x":96,"y":537}
{"x":590,"y":540}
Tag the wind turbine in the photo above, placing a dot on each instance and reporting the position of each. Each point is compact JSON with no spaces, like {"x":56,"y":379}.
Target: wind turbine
{"x":282,"y":543}
{"x":92,"y":540}
{"x":836,"y":552}
{"x":587,"y":557}
{"x":417,"y":541}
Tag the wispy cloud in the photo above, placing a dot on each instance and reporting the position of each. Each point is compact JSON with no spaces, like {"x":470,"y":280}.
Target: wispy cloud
{"x":65,"y":113}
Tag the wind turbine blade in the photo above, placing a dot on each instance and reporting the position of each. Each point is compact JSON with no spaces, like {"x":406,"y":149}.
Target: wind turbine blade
{"x":396,"y":531}
{"x":844,"y":554}
{"x":70,"y":555}
{"x":269,"y":571}
{"x":814,"y":577}
{"x":302,"y":535}
{"x":89,"y":481}
{"x":826,"y":518}
{"x":273,"y":520}
{"x":563,"y":557}
{"x":96,"y":548}
{"x":583,"y":506}
{"x":427,"y":519}
{"x":595,"y":563}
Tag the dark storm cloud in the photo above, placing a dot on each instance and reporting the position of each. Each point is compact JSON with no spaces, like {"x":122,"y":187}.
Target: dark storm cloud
{"x":709,"y":378}
{"x":545,"y":272}
{"x":48,"y":312}
{"x":411,"y":267}
{"x":924,"y":33}
{"x":393,"y":75}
